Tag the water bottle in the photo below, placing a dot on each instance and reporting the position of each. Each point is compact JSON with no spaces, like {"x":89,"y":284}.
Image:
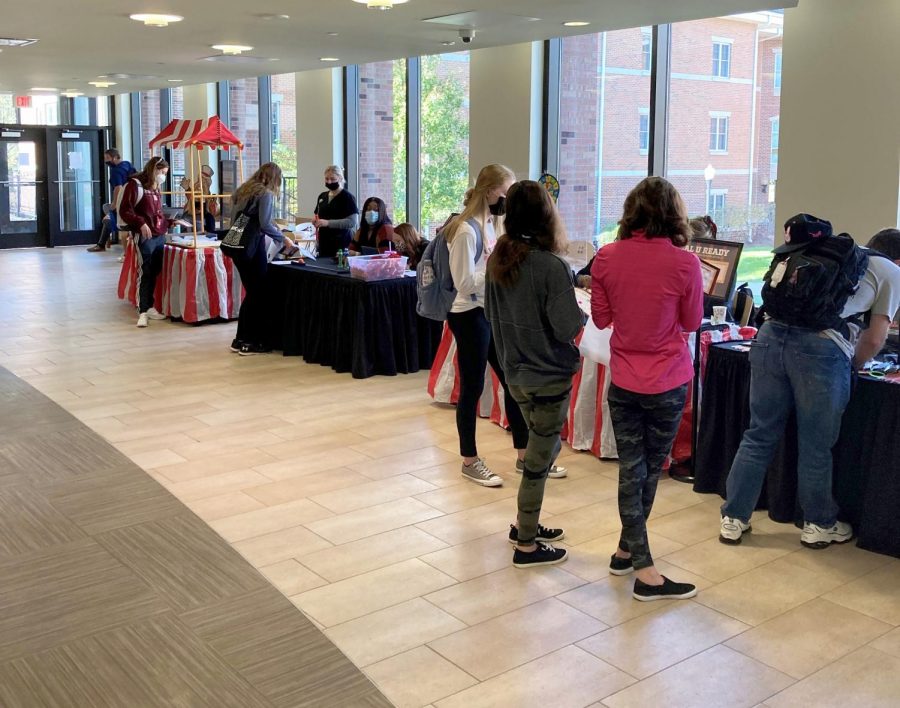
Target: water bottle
{"x":345,"y":258}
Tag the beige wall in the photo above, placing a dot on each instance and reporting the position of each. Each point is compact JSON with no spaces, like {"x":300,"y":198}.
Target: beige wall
{"x":201,"y":102}
{"x":505,"y":109}
{"x":320,"y":138}
{"x":840,"y":114}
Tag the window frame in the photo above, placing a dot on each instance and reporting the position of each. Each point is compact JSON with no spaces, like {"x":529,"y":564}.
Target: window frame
{"x":715,"y":132}
{"x":718,"y":62}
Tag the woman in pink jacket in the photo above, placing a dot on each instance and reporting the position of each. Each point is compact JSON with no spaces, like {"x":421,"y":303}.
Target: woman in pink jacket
{"x":650,"y":290}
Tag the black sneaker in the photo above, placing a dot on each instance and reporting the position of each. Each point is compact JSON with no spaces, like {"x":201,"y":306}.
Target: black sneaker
{"x":543,"y":555}
{"x":669,"y":590}
{"x":543,"y":534}
{"x":248,"y":349}
{"x":236,"y":345}
{"x":620,"y":566}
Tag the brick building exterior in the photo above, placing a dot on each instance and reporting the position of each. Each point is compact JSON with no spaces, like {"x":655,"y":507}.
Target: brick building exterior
{"x":604,"y":102}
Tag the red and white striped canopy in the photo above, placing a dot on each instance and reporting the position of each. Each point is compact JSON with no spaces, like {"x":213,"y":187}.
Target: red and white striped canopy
{"x":210,"y":133}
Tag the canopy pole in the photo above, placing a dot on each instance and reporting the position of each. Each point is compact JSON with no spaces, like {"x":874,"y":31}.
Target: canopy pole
{"x":191,"y":195}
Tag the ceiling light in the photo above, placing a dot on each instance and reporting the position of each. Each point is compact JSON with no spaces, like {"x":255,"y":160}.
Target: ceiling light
{"x":71,"y":93}
{"x":174,"y":81}
{"x":41,"y":88}
{"x":13,"y":42}
{"x":380,"y":4}
{"x":274,"y":17}
{"x":152,"y":20}
{"x":102,"y":84}
{"x":332,"y":34}
{"x":576,"y":23}
{"x":232,"y":48}
{"x":448,"y":44}
{"x":328,"y":59}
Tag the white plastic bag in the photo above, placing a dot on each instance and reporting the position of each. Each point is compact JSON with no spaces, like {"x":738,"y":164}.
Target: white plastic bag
{"x":594,"y":344}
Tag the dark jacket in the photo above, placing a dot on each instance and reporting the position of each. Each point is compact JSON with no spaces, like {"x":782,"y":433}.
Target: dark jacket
{"x":535,"y":321}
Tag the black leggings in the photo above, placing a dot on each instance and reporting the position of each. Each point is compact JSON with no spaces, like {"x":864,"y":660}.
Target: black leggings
{"x":475,"y":350}
{"x":252,"y":318}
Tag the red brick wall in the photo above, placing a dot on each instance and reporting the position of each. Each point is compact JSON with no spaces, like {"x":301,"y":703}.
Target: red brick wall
{"x":243,"y":98}
{"x":284,"y":85}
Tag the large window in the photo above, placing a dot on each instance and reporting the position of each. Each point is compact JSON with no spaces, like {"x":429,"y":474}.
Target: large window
{"x":150,"y":124}
{"x":283,"y":113}
{"x":243,"y":105}
{"x":723,"y":129}
{"x":7,"y":108}
{"x":773,"y":149}
{"x":444,"y":137}
{"x":604,"y":128}
{"x":382,"y":135}
{"x":44,"y":110}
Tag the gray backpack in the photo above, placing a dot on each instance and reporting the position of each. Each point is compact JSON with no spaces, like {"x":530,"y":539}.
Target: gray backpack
{"x":434,"y":284}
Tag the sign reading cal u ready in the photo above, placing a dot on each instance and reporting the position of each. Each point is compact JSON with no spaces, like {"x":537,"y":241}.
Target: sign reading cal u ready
{"x":719,"y":263}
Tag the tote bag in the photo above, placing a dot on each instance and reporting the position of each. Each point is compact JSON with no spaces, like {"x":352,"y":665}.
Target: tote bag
{"x":594,"y":344}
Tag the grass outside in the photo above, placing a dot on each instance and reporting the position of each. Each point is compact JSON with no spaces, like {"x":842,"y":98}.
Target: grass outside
{"x":753,"y":266}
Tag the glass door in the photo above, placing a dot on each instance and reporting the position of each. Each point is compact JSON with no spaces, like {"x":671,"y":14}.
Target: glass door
{"x":75,"y":188}
{"x":23,"y":207}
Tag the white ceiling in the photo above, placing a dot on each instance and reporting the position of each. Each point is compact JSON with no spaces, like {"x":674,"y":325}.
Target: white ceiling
{"x":83,"y":39}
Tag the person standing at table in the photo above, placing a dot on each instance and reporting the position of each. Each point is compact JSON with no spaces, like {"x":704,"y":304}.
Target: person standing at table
{"x":483,"y":204}
{"x":650,"y":290}
{"x":530,"y":303}
{"x":141,"y":207}
{"x":256,"y":198}
{"x":804,"y":365}
{"x":376,"y":230}
{"x":336,"y":214}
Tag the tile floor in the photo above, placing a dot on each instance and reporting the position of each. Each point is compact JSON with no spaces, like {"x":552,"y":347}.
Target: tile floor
{"x":346,"y":495}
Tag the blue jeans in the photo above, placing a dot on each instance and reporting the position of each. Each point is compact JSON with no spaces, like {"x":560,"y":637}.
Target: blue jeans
{"x":792,"y":368}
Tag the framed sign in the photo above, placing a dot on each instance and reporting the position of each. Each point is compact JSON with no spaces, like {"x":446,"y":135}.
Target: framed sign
{"x":719,"y":263}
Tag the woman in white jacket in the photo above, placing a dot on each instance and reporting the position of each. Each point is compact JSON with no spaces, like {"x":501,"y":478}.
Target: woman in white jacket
{"x":484,"y":203}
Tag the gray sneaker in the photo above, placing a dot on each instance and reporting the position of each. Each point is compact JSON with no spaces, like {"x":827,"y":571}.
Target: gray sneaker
{"x":479,"y":473}
{"x":556,"y":472}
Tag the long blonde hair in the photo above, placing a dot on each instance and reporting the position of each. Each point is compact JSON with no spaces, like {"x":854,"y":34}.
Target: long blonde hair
{"x":475,"y":203}
{"x":267,"y":177}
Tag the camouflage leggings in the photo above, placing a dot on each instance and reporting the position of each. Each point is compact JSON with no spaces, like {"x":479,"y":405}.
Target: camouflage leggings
{"x":544,"y":409}
{"x":645,"y":426}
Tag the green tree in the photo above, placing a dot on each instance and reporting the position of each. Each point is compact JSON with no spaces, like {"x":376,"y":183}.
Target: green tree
{"x":399,"y":122}
{"x":444,"y":167}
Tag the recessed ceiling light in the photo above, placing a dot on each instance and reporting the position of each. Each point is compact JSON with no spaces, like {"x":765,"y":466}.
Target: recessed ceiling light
{"x":232,"y":48}
{"x":13,"y":42}
{"x":380,"y":4}
{"x":72,"y":94}
{"x":332,"y":34}
{"x":174,"y":81}
{"x":274,"y":17}
{"x":576,"y":23}
{"x":448,"y":44}
{"x":102,"y":84}
{"x":41,"y":88}
{"x":328,"y":59}
{"x":153,"y":20}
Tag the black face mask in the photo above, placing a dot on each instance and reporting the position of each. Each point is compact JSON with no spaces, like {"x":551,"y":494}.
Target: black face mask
{"x":332,"y":185}
{"x":499,"y":208}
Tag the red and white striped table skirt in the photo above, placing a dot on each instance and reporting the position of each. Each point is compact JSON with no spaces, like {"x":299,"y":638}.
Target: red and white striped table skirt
{"x":588,"y":426}
{"x":195,"y":284}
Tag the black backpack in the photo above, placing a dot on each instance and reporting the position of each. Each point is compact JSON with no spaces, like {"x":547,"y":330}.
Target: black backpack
{"x":810,"y":286}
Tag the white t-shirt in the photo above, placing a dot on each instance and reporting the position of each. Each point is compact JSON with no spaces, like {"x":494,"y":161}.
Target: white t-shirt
{"x":878,"y":291}
{"x":468,"y":275}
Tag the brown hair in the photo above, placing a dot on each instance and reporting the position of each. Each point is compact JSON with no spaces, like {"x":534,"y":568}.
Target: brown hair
{"x":703,"y":227}
{"x":532,"y":221}
{"x":655,"y":207}
{"x":267,"y":177}
{"x":147,"y":176}
{"x":408,"y":241}
{"x":476,"y":200}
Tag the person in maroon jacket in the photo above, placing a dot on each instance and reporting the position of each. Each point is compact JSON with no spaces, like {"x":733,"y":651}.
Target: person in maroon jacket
{"x":141,"y":209}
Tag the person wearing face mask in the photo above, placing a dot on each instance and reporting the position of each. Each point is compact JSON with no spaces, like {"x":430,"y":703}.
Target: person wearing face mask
{"x":119,"y":172}
{"x":484,"y":203}
{"x":376,"y":230}
{"x":336,"y":215}
{"x":141,"y":209}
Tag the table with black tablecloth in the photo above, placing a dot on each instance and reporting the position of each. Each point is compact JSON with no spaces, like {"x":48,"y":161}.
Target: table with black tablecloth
{"x":329,"y":318}
{"x":866,"y":456}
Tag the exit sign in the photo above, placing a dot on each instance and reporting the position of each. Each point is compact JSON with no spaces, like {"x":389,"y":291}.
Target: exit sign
{"x":23,"y":101}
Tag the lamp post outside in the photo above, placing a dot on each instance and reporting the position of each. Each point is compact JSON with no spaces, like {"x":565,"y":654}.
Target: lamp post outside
{"x":709,"y":174}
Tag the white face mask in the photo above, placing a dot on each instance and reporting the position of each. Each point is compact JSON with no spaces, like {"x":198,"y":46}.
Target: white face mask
{"x":161,"y":177}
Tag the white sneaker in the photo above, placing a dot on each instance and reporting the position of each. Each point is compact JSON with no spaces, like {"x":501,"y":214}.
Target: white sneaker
{"x":142,"y":320}
{"x":815,"y":536}
{"x":479,"y":473}
{"x":155,"y":314}
{"x":732,"y":529}
{"x":556,"y":472}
